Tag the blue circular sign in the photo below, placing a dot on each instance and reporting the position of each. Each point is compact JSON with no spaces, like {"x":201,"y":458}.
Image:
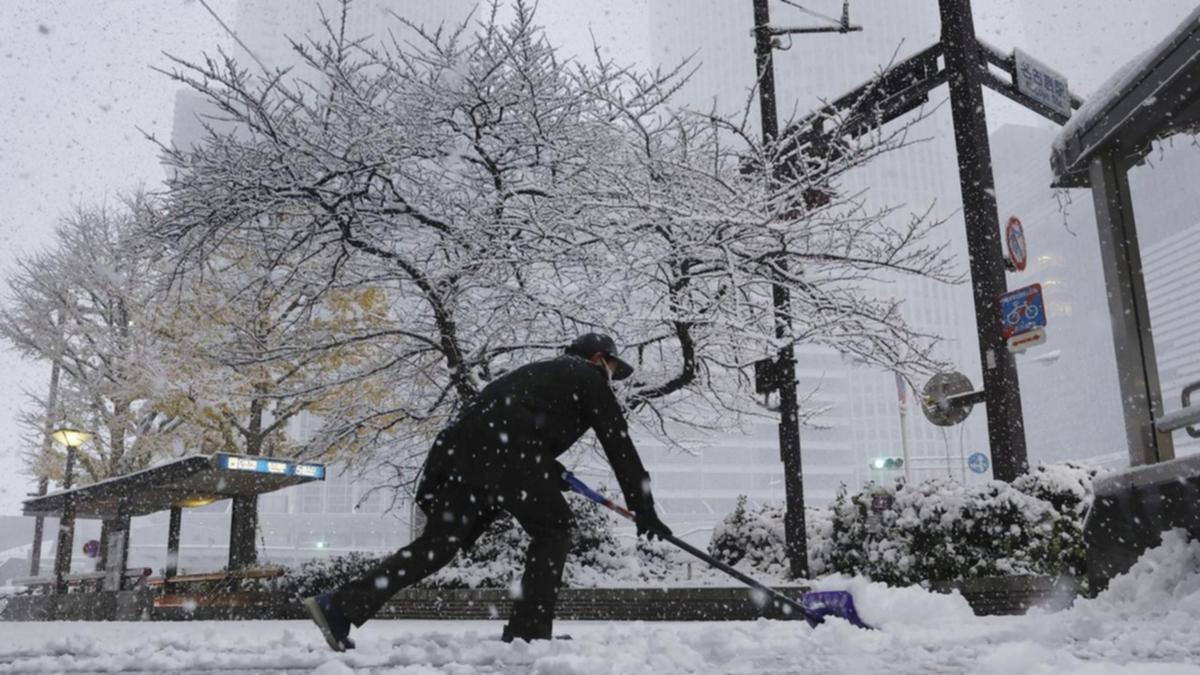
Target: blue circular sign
{"x":978,"y":462}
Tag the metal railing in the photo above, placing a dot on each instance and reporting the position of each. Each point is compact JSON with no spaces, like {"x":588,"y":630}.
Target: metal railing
{"x":1185,"y":417}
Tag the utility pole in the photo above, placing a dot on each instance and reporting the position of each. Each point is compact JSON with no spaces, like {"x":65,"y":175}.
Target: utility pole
{"x":965,"y":67}
{"x":785,"y":367}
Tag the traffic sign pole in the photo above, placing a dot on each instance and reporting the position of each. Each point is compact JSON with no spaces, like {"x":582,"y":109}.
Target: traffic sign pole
{"x":961,"y":49}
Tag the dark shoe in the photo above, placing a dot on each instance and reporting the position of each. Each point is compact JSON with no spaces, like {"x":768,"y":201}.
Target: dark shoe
{"x":334,"y":626}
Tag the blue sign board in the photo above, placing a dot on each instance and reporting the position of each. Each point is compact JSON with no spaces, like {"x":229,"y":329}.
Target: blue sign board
{"x":278,"y":467}
{"x":1021,"y":311}
{"x":978,"y":462}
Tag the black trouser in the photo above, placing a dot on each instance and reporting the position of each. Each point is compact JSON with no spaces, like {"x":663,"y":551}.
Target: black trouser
{"x":456,"y":516}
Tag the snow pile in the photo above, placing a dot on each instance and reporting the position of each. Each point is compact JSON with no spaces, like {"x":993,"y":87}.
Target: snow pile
{"x":1164,"y":580}
{"x":1146,"y":616}
{"x":887,"y":607}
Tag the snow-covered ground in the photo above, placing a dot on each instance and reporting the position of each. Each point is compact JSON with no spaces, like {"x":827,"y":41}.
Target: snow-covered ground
{"x":1147,"y":623}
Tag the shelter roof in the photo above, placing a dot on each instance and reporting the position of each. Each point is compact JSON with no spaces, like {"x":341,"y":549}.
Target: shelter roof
{"x":188,"y":481}
{"x":1153,"y":96}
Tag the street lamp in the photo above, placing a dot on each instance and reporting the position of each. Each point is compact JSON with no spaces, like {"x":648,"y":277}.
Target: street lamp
{"x":72,"y":439}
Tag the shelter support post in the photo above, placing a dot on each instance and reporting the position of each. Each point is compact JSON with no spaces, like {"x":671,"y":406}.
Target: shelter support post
{"x":1133,"y":342}
{"x":242,"y":526}
{"x":173,"y":528}
{"x":117,"y":549}
{"x":39,"y":529}
{"x":66,"y":529}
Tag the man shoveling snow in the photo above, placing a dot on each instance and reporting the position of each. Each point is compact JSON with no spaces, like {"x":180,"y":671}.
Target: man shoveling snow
{"x":501,"y":453}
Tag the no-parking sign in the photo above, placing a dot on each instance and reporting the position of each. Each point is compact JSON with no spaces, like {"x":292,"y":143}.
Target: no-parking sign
{"x":1014,"y":235}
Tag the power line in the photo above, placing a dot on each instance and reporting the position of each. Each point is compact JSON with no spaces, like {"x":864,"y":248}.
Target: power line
{"x":810,"y":12}
{"x":238,"y":39}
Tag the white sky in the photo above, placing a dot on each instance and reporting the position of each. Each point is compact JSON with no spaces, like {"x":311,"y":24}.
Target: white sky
{"x":75,"y":88}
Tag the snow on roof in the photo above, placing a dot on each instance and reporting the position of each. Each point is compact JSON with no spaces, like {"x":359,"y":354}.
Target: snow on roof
{"x":126,"y":477}
{"x":1118,"y":86}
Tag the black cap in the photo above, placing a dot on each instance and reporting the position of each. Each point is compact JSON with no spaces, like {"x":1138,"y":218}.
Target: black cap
{"x":589,"y":343}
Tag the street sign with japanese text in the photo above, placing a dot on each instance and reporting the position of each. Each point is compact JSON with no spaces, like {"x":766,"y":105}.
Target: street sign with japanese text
{"x":1021,"y":311}
{"x":1041,"y":83}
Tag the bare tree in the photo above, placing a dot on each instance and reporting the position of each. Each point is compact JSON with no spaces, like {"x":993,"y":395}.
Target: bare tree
{"x":85,"y":305}
{"x":503,"y":200}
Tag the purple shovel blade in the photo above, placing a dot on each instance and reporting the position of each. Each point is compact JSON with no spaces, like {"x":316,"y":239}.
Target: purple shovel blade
{"x":820,"y":604}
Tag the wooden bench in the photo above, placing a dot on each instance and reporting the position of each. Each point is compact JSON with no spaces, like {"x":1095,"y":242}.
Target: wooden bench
{"x":85,"y":582}
{"x":211,"y":591}
{"x":218,"y":577}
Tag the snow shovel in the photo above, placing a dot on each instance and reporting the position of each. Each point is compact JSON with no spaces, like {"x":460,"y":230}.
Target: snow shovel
{"x":814,"y":606}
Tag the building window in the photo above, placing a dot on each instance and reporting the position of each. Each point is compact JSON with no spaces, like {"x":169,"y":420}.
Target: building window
{"x":338,"y":496}
{"x":311,"y":498}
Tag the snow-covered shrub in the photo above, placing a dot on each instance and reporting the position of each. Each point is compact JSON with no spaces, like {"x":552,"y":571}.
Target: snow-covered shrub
{"x":1068,"y":488}
{"x":498,"y":556}
{"x":596,"y":559}
{"x":754,"y":538}
{"x":937,"y":529}
{"x":943,"y":530}
{"x":318,"y":576}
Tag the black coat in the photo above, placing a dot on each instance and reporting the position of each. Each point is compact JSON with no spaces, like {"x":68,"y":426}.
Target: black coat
{"x":513,"y":431}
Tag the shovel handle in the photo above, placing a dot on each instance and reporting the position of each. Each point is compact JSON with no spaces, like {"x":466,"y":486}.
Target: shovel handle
{"x":581,"y":488}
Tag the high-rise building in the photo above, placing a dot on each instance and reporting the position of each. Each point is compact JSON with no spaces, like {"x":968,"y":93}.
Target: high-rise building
{"x":1069,"y":392}
{"x":1167,"y":214}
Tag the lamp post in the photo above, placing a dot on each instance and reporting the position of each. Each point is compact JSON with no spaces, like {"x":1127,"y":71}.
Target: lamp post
{"x":72,"y":439}
{"x":35,"y":553}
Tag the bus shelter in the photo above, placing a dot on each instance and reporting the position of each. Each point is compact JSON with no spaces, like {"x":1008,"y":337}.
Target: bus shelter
{"x":1155,"y":96}
{"x":190,"y":481}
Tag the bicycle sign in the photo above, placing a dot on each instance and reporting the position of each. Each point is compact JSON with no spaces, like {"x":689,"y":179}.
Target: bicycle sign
{"x":1021,"y":311}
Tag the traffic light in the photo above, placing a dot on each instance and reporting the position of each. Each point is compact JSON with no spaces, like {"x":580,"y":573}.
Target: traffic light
{"x":887,"y":463}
